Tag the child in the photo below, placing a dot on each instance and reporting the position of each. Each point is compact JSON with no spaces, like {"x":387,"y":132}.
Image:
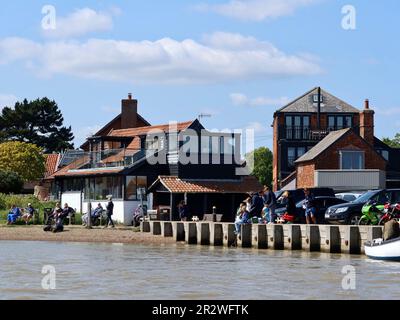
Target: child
{"x":266,"y":215}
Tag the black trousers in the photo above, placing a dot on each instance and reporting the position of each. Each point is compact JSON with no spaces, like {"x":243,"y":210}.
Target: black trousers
{"x":109,"y":220}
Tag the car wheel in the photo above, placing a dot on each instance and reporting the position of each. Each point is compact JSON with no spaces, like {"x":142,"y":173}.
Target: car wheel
{"x":354,"y":219}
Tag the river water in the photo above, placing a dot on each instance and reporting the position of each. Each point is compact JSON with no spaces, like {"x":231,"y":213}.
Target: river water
{"x":116,"y":271}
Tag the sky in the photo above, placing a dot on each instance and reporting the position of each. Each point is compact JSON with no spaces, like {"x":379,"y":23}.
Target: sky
{"x":236,"y":60}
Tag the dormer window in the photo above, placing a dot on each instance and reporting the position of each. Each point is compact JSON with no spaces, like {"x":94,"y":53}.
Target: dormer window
{"x":315,"y":98}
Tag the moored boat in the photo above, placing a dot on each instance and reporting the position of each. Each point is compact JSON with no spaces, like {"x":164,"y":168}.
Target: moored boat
{"x":383,"y":250}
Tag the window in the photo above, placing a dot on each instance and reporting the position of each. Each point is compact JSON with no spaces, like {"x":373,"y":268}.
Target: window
{"x":133,"y":186}
{"x":331,"y":122}
{"x":339,"y":122}
{"x":141,"y":184}
{"x":301,"y":151}
{"x":396,"y":197}
{"x":351,"y":160}
{"x":315,"y":98}
{"x":72,"y":185}
{"x":384,"y":154}
{"x":131,"y":191}
{"x":99,"y":188}
{"x":294,"y":154}
{"x":297,"y":127}
{"x":291,"y":156}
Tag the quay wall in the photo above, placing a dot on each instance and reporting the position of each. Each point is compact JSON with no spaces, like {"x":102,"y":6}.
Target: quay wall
{"x":312,"y":238}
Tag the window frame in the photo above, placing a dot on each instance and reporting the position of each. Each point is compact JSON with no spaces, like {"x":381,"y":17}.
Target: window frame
{"x":361,"y":152}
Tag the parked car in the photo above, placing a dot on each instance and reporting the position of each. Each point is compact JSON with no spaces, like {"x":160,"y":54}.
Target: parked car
{"x":350,"y":213}
{"x":298,"y":195}
{"x":349,"y":196}
{"x":321,"y":204}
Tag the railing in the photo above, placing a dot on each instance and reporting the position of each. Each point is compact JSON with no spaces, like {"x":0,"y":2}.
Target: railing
{"x":307,"y":133}
{"x":111,"y":158}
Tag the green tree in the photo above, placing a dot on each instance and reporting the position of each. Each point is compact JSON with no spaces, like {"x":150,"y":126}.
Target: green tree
{"x":394,"y":143}
{"x":10,"y":182}
{"x":262,"y":165}
{"x":25,"y":159}
{"x":38,"y":122}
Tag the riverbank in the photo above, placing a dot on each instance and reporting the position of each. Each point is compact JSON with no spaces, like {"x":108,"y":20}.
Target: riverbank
{"x":80,"y":234}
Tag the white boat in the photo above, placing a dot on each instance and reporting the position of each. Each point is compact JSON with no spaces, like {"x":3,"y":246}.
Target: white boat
{"x":383,"y":250}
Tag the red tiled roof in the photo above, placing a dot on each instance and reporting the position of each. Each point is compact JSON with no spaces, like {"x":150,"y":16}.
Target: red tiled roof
{"x":133,"y":132}
{"x":52,"y":161}
{"x":247,"y":184}
{"x":93,"y":172}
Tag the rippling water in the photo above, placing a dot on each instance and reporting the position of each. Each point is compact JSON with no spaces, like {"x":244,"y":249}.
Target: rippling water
{"x":106,"y":271}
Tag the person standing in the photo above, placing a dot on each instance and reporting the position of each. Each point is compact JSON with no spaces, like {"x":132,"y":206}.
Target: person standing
{"x":257,"y":205}
{"x":110,"y":212}
{"x":183,"y":211}
{"x":309,"y":206}
{"x":270,"y":201}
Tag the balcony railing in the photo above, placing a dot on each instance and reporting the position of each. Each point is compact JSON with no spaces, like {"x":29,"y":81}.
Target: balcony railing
{"x":111,"y":158}
{"x":307,"y":133}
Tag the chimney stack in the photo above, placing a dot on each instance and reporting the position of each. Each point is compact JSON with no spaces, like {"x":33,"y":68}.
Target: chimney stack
{"x":367,"y":123}
{"x":129,"y":116}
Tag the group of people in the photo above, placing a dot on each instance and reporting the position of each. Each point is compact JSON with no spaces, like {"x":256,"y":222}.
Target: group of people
{"x":55,"y":220}
{"x":97,"y":214}
{"x":260,"y":208}
{"x":15,"y":213}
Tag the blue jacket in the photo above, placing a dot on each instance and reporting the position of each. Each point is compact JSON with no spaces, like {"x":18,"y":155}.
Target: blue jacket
{"x":257,"y":205}
{"x":15,"y":212}
{"x":270,"y":198}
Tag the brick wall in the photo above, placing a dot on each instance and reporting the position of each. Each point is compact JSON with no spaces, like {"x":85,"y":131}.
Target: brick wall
{"x":305,"y":175}
{"x":279,"y":120}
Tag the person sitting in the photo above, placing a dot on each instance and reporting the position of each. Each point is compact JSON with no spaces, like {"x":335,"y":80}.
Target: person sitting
{"x":13,"y":215}
{"x":266,"y":214}
{"x":95,"y":215}
{"x":59,"y":221}
{"x":242,"y":218}
{"x":138,"y":215}
{"x":29,"y":213}
{"x":68,"y":211}
{"x":52,"y":216}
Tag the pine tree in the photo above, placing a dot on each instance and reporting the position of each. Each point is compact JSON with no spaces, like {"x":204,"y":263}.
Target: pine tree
{"x":38,"y":122}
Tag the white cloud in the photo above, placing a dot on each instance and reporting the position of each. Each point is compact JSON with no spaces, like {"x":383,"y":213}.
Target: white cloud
{"x":232,"y":57}
{"x":7,"y":100}
{"x":82,"y":22}
{"x":258,"y":127}
{"x":256,"y":10}
{"x":240,"y":99}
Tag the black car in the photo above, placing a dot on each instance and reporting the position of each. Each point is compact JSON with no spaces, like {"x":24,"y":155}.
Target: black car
{"x":321,"y":205}
{"x":350,"y":213}
{"x":298,"y":195}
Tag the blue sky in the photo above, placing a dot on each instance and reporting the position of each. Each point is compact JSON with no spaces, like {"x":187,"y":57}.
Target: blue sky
{"x":237,"y":60}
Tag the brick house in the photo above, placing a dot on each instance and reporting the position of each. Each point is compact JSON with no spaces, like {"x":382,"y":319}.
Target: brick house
{"x":303,"y":123}
{"x":344,"y":161}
